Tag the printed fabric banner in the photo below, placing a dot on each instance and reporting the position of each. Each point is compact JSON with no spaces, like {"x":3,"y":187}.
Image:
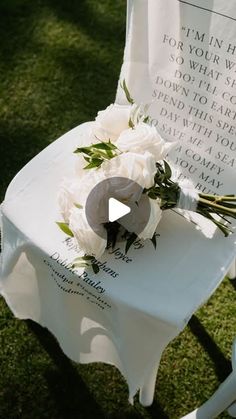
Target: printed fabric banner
{"x":181,"y":58}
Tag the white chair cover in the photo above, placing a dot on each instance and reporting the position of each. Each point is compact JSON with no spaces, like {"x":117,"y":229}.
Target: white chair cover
{"x":129,"y":312}
{"x":177,"y":59}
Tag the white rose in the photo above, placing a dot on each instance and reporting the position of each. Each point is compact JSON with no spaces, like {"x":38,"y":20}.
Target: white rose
{"x":74,"y":191}
{"x":140,"y":168}
{"x":68,"y":195}
{"x":88,"y":240}
{"x":141,"y":138}
{"x":154,"y":219}
{"x":111,"y":122}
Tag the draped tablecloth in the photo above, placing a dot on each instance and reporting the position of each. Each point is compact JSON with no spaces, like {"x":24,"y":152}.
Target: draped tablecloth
{"x":138,"y":302}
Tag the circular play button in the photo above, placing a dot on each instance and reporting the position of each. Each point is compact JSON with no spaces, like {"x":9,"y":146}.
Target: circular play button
{"x":117,"y":199}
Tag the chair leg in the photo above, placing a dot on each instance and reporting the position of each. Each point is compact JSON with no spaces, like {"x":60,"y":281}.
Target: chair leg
{"x":224,"y":398}
{"x":147,"y":391}
{"x":232,"y":271}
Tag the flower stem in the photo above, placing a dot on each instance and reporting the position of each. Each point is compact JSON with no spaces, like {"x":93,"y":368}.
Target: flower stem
{"x":215,"y":206}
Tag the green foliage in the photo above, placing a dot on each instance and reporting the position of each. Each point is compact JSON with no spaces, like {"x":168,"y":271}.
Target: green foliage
{"x":168,"y":192}
{"x":86,"y":261}
{"x":127,"y":93}
{"x":130,"y":240}
{"x":95,"y":268}
{"x":164,"y":188}
{"x":223,"y":206}
{"x":154,"y":240}
{"x":65,"y":228}
{"x":113,"y":230}
{"x":96,"y":154}
{"x":78,"y":206}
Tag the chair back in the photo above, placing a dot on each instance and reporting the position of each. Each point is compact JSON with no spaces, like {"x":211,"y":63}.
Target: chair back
{"x":180,"y":57}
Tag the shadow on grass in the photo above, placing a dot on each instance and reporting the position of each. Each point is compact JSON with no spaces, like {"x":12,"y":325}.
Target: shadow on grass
{"x":18,"y":19}
{"x":50,"y":85}
{"x":82,"y":69}
{"x":95,"y":20}
{"x":18,"y":145}
{"x":156,"y":411}
{"x":93,"y":72}
{"x":233,"y":283}
{"x":221,"y":364}
{"x":17,"y":22}
{"x":105,"y":32}
{"x":68,"y":390}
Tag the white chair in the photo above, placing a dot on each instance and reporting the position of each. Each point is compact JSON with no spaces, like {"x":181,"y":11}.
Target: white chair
{"x":140,"y":60}
{"x":151,"y":300}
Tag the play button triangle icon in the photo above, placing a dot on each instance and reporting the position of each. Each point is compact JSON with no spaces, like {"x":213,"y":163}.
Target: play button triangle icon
{"x":117,"y":209}
{"x":117,"y":199}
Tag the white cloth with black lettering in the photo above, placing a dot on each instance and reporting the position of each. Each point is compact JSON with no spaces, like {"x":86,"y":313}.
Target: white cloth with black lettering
{"x":130,"y":311}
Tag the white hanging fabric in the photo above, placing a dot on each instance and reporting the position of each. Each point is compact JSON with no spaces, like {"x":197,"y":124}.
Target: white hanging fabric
{"x":180,"y":58}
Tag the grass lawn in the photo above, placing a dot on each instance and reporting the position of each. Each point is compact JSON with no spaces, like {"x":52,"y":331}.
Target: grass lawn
{"x":59,"y":64}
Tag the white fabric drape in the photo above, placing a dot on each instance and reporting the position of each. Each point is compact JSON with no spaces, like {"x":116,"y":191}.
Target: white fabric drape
{"x":130,"y":311}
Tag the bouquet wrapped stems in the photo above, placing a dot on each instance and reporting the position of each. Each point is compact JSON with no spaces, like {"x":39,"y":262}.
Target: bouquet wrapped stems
{"x":207,"y":205}
{"x":223,"y":206}
{"x":125,"y":144}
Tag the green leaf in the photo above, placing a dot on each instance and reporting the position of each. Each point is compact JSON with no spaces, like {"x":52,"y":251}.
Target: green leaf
{"x":152,"y":195}
{"x":127,"y":94}
{"x":81,"y":264}
{"x":131,"y":239}
{"x":98,"y":154}
{"x":85,"y":258}
{"x":154,"y":240}
{"x":65,"y":228}
{"x":85,"y":150}
{"x":78,"y":206}
{"x":104,"y":146}
{"x":95,"y":268}
{"x":95,"y":154}
{"x":88,"y":257}
{"x":94,"y":163}
{"x":131,"y":124}
{"x":168,"y":171}
{"x":110,"y":155}
{"x":112,"y":233}
{"x":112,"y":146}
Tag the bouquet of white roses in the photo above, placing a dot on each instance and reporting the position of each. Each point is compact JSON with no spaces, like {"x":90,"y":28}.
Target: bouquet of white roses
{"x":123,"y":143}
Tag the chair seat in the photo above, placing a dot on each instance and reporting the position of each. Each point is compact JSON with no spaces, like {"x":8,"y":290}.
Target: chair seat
{"x":101,"y":318}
